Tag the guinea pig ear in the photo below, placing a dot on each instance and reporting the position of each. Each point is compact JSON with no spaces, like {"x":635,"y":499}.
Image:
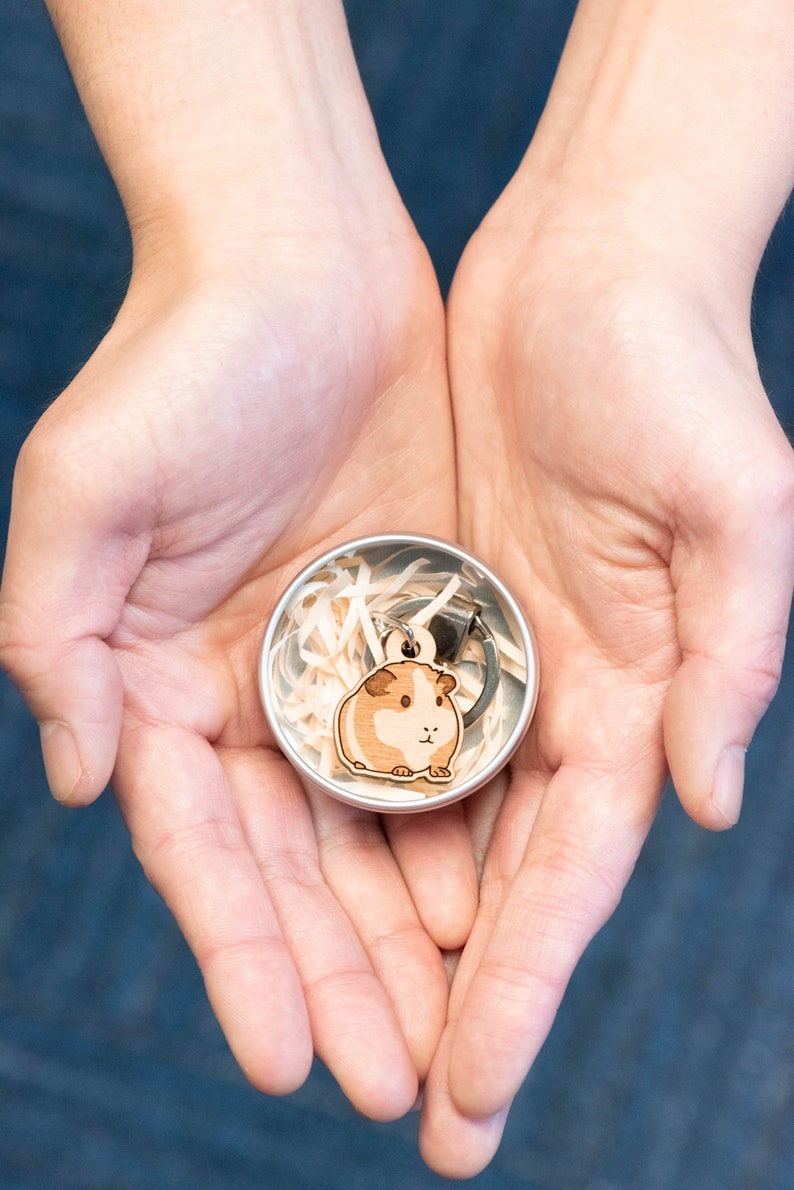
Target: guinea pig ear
{"x":377,"y":684}
{"x":447,"y":683}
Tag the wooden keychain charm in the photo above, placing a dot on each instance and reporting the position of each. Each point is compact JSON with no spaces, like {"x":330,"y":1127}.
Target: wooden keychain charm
{"x":402,"y":721}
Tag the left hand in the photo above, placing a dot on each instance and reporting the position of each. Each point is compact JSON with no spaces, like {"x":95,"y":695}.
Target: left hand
{"x":620,"y":466}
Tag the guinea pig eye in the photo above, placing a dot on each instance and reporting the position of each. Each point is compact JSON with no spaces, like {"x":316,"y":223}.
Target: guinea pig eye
{"x":405,"y":701}
{"x":439,"y":701}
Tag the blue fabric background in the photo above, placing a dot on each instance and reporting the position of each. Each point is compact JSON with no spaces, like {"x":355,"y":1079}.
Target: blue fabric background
{"x":671,"y":1066}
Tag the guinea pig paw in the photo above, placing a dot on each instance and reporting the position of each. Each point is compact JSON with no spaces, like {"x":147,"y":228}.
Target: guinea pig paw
{"x":401,"y":771}
{"x":437,"y":771}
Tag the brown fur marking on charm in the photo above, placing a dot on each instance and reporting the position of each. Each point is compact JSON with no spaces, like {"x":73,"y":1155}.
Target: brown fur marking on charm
{"x":378,"y":683}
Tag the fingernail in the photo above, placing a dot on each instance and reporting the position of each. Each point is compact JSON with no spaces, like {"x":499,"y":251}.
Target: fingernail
{"x":728,"y":787}
{"x":61,"y":759}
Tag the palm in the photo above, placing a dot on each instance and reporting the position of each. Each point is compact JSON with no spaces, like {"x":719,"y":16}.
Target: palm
{"x":600,"y":431}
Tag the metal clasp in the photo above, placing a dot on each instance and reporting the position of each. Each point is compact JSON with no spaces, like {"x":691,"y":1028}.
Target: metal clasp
{"x":451,"y":628}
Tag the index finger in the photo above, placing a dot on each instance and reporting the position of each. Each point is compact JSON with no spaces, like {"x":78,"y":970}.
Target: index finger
{"x":580,"y":853}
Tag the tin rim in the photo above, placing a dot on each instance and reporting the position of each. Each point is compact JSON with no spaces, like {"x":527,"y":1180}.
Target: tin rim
{"x":476,"y":780}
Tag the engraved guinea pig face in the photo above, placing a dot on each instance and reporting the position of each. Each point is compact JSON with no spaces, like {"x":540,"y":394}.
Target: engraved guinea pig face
{"x":413,"y":711}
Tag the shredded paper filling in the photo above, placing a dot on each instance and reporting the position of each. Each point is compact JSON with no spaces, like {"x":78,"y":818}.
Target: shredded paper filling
{"x":330,"y":636}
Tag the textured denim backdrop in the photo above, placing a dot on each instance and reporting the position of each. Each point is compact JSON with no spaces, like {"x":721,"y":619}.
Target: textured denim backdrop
{"x":671,"y":1066}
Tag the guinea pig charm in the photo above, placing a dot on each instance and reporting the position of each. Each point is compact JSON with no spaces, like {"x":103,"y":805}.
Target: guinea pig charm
{"x":402,"y":720}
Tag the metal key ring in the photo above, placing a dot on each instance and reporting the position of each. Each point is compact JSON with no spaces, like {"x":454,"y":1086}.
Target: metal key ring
{"x":394,"y":623}
{"x":449,"y":644}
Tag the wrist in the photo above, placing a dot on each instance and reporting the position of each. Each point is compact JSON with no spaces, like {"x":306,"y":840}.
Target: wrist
{"x":671,"y":126}
{"x":229,"y":124}
{"x":628,"y":227}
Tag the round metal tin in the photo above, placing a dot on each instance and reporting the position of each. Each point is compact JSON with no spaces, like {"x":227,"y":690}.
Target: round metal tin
{"x":321,"y":640}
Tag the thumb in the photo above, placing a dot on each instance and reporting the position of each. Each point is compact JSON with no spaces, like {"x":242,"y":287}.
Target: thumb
{"x":64,"y":583}
{"x":73,"y":687}
{"x":733,"y":597}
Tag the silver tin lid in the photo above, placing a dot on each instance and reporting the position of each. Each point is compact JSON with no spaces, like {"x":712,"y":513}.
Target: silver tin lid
{"x":336,"y":626}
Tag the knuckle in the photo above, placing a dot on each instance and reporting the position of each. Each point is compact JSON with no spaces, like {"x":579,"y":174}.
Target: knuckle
{"x":54,"y":451}
{"x":19,"y":657}
{"x":572,"y":881}
{"x":72,"y":457}
{"x":286,"y":874}
{"x":762,"y":676}
{"x":776,"y":487}
{"x":760,"y":497}
{"x":223,"y":954}
{"x":351,"y":835}
{"x":186,"y":848}
{"x":393,"y":939}
{"x":40,"y":453}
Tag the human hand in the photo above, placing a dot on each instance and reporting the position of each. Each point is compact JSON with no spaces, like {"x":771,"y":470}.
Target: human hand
{"x":620,"y":466}
{"x":274,"y":384}
{"x":220,"y":437}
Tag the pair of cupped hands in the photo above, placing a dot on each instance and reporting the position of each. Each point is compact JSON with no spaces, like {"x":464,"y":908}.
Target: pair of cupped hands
{"x":587,"y":417}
